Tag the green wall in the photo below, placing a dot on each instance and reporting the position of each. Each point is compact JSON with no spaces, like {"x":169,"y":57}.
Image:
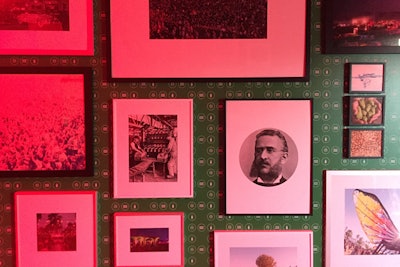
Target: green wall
{"x":202,"y":213}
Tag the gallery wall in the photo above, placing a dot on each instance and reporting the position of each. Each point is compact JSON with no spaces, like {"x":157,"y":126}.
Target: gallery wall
{"x":203,"y":213}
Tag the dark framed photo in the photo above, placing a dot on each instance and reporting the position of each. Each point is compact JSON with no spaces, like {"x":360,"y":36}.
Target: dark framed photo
{"x":56,"y":228}
{"x":268,"y":157}
{"x":361,"y":218}
{"x":46,"y":122}
{"x":366,"y":77}
{"x":356,"y":26}
{"x":366,"y":110}
{"x":365,"y":142}
{"x":63,"y":27}
{"x":187,"y":39}
{"x":148,"y":239}
{"x":153,"y":148}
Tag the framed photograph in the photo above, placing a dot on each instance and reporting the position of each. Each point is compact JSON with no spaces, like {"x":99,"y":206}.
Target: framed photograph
{"x":63,"y":27}
{"x":55,"y":228}
{"x":46,"y":122}
{"x":263,"y":248}
{"x":362,"y":218}
{"x":366,"y":78}
{"x":268,"y":157}
{"x":366,"y":110}
{"x":153,"y":148}
{"x":148,"y":239}
{"x":180,"y":40}
{"x":365,"y":143}
{"x":354,"y":26}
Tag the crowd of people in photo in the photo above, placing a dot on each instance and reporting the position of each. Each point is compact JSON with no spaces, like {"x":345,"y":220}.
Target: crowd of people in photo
{"x":48,"y":134}
{"x":208,"y":19}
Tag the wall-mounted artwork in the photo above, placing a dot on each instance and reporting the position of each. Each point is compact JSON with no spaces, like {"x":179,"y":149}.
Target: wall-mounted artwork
{"x":362,"y":218}
{"x":46,"y":122}
{"x":186,"y":39}
{"x":263,"y":248}
{"x":354,"y":26}
{"x":365,"y":142}
{"x":56,"y":228}
{"x":268,"y":156}
{"x":63,"y":27}
{"x":366,"y":110}
{"x":153,"y":143}
{"x":366,"y":77}
{"x":148,"y":239}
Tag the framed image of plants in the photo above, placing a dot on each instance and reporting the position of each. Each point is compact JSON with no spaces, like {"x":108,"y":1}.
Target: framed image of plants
{"x":361,"y":218}
{"x":366,"y":110}
{"x":263,"y":248}
{"x":62,"y":27}
{"x":55,"y":228}
{"x":148,"y":239}
{"x":268,"y":156}
{"x":46,"y":122}
{"x":275,"y":44}
{"x":153,"y":148}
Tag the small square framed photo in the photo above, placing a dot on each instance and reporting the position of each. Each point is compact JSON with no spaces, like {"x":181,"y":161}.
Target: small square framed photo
{"x":362,"y":219}
{"x":263,"y":248}
{"x":366,"y":110}
{"x":268,"y":157}
{"x":366,"y":77}
{"x":153,"y":148}
{"x":49,"y":111}
{"x":56,"y":228}
{"x":148,"y":239}
{"x":365,"y":143}
{"x":63,"y":27}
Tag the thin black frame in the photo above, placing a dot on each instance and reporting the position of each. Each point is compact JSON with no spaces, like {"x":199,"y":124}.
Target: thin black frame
{"x":365,"y":129}
{"x":88,"y":120}
{"x":365,"y":77}
{"x":332,"y":8}
{"x":378,"y":98}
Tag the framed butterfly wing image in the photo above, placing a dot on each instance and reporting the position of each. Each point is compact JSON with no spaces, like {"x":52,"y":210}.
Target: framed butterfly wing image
{"x":376,"y":223}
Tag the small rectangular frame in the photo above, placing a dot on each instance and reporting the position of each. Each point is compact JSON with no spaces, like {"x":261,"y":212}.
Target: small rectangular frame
{"x":49,"y":110}
{"x":38,"y":244}
{"x":135,"y":118}
{"x":245,"y":248}
{"x":366,"y":77}
{"x":292,"y":119}
{"x":347,"y":221}
{"x":365,"y":142}
{"x":134,"y":231}
{"x":77,"y":39}
{"x":366,"y":110}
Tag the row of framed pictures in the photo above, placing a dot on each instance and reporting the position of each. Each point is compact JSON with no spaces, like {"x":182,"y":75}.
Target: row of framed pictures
{"x":365,"y":110}
{"x":152,"y":144}
{"x":361,"y":217}
{"x":57,"y":228}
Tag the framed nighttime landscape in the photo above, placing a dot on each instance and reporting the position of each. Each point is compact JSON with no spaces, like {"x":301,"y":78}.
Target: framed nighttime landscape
{"x":203,"y":43}
{"x":46,"y":122}
{"x":358,"y":26}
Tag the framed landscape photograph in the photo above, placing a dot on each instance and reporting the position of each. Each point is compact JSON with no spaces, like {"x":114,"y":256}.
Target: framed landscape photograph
{"x":362,"y":218}
{"x":366,"y":77}
{"x":153,"y":148}
{"x":63,"y":27}
{"x":148,"y":239}
{"x":46,"y":122}
{"x":356,"y":26}
{"x":263,"y":248}
{"x":55,"y":228}
{"x":254,"y":39}
{"x":268,"y":157}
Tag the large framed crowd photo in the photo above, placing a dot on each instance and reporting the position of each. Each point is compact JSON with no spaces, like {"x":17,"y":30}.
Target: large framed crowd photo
{"x":46,"y":122}
{"x":156,"y":39}
{"x":63,"y":27}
